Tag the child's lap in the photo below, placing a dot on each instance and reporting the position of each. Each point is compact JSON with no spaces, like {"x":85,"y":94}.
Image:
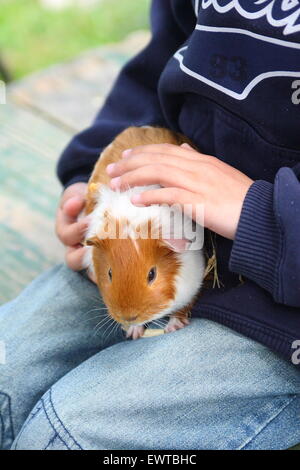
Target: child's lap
{"x":48,"y":330}
{"x":204,"y":385}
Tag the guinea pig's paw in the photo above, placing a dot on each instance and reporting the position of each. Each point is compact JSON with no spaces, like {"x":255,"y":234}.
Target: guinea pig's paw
{"x":135,"y":331}
{"x":176,"y":323}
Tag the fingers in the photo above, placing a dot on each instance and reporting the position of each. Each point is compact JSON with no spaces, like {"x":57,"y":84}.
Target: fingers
{"x":71,"y":234}
{"x":164,"y":175}
{"x":76,"y":189}
{"x":68,"y":229}
{"x":75,"y":257}
{"x":166,"y":149}
{"x":168,"y":196}
{"x":171,"y":155}
{"x":73,"y":206}
{"x":143,"y":159}
{"x":162,"y":196}
{"x":192,"y":204}
{"x":188,"y":147}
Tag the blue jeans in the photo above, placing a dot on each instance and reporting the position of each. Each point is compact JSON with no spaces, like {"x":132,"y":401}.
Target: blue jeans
{"x":68,"y":384}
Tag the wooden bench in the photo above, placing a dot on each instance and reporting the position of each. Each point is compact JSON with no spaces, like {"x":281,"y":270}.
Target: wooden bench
{"x":42,"y":113}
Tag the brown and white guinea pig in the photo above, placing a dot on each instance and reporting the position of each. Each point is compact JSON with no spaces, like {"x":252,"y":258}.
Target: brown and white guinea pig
{"x":140,"y":278}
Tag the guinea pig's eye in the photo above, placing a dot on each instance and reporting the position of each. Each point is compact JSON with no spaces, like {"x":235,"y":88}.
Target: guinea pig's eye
{"x":151,"y":275}
{"x":110,"y":274}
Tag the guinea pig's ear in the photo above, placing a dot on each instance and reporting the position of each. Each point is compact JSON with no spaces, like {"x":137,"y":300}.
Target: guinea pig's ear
{"x":93,"y":241}
{"x":178,"y":245}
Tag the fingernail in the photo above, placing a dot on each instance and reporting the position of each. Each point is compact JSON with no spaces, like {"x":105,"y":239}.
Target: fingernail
{"x":126,"y":153}
{"x":110,"y":168}
{"x":72,"y":199}
{"x":115,"y":183}
{"x":136,"y":199}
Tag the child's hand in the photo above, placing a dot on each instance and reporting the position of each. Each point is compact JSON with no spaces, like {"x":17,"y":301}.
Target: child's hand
{"x":69,"y":230}
{"x":186,"y":177}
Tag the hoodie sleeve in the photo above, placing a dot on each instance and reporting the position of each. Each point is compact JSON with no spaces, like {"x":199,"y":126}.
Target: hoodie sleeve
{"x":132,"y":101}
{"x":267,"y":244}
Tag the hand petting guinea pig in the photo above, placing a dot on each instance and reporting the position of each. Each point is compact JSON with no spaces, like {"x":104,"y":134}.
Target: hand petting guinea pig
{"x":142,"y":273}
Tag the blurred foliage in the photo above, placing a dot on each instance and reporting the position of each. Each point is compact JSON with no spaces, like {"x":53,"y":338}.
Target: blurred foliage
{"x":32,"y":37}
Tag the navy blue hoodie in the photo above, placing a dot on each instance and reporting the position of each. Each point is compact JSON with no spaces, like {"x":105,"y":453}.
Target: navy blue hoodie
{"x":226,"y":73}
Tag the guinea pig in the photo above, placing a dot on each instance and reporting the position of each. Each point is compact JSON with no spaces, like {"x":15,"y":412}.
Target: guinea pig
{"x":143,"y":269}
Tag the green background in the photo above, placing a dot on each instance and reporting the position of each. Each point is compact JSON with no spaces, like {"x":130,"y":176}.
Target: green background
{"x":33,"y":37}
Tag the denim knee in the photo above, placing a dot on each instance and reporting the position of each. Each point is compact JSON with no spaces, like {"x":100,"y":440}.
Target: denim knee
{"x":43,"y":430}
{"x":48,"y":330}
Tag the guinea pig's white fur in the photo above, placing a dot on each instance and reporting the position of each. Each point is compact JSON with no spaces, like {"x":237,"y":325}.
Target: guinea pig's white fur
{"x":191,"y":272}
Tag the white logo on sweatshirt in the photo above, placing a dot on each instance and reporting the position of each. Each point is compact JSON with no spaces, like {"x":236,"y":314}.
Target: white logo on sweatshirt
{"x":255,"y":71}
{"x":279,"y":13}
{"x":296,"y":354}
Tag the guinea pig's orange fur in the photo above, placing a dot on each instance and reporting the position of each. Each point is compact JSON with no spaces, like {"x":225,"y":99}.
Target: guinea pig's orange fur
{"x":129,"y":295}
{"x":129,"y":298}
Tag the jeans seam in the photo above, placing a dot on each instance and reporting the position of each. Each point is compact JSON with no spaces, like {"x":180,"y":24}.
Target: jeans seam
{"x":25,"y":425}
{"x":58,"y":423}
{"x":51,"y":440}
{"x":2,"y":431}
{"x":53,"y":427}
{"x":3,"y":421}
{"x":32,"y":415}
{"x":266,"y":423}
{"x":35,"y":412}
